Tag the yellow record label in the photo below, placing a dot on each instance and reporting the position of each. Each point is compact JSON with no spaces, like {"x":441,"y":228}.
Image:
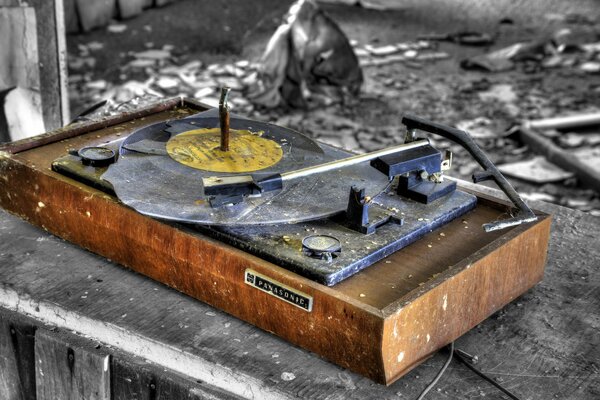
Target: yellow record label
{"x":248,"y":151}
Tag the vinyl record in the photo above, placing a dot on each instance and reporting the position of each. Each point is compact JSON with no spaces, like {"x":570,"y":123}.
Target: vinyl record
{"x":160,"y":169}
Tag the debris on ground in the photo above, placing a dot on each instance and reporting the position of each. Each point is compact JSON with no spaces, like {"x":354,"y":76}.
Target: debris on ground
{"x":163,"y":77}
{"x":504,"y":59}
{"x":567,"y":47}
{"x":482,"y":128}
{"x":308,"y":59}
{"x":467,"y":38}
{"x":537,"y":170}
{"x":408,"y":53}
{"x":116,"y":28}
{"x":571,"y":161}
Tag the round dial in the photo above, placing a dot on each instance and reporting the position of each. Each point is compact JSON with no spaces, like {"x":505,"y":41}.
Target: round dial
{"x":96,"y":156}
{"x":321,"y":246}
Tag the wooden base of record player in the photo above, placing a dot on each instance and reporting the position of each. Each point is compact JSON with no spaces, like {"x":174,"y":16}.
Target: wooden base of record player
{"x":380,"y":323}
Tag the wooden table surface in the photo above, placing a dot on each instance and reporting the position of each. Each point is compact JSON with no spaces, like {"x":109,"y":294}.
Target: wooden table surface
{"x":544,"y":345}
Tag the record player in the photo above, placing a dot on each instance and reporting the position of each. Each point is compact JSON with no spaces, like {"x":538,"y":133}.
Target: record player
{"x":373,"y":261}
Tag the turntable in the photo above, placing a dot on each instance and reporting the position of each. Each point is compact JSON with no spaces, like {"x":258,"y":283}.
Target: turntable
{"x":373,"y":261}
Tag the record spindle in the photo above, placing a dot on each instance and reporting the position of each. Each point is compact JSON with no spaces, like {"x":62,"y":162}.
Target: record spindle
{"x":224,"y":118}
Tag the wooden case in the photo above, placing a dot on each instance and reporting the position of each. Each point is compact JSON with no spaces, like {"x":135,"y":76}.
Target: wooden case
{"x":381,"y":322}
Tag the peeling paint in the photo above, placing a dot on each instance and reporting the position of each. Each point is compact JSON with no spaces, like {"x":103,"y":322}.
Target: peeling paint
{"x":401,"y":356}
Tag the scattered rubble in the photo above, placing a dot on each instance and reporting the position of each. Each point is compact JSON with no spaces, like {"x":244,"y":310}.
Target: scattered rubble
{"x":537,"y":170}
{"x":116,"y":28}
{"x":467,"y":38}
{"x":404,"y":52}
{"x":566,"y":48}
{"x":479,"y":128}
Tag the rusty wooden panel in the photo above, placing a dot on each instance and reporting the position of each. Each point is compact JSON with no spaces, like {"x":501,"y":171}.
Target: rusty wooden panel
{"x":69,"y":368}
{"x":17,"y":361}
{"x":401,"y":273}
{"x":453,"y":302}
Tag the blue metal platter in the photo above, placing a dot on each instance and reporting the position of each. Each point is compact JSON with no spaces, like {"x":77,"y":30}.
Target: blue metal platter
{"x":282,"y":244}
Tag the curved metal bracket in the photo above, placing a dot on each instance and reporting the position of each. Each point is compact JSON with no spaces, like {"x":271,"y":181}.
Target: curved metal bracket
{"x":490,"y":171}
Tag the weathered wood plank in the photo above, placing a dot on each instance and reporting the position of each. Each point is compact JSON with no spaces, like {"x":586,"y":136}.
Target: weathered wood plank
{"x":70,"y":368}
{"x":60,"y":68}
{"x":132,"y":378}
{"x":18,"y":48}
{"x":43,"y":68}
{"x":17,"y":360}
{"x":52,"y":57}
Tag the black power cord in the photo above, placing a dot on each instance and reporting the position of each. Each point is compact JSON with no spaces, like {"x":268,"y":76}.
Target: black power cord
{"x":459,"y":357}
{"x":458,"y":354}
{"x":439,"y":375}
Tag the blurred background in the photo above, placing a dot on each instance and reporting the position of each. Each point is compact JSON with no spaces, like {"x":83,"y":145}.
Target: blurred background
{"x":523,"y":77}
